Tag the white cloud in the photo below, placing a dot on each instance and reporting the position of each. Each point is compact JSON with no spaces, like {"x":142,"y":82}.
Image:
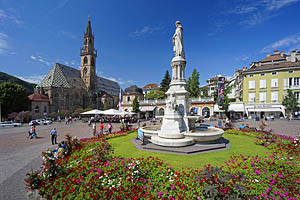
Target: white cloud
{"x":5,"y":48}
{"x":277,"y":4}
{"x":9,"y":17}
{"x":250,"y":13}
{"x":120,"y":81}
{"x":69,"y":35}
{"x":42,"y":60}
{"x":35,"y":78}
{"x":146,"y":30}
{"x":288,"y":43}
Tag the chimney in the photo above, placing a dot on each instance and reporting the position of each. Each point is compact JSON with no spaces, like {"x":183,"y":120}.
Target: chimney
{"x":245,"y":68}
{"x":276,"y":52}
{"x":268,"y":54}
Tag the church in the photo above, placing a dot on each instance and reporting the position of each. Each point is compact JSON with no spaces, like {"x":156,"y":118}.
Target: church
{"x":68,"y":89}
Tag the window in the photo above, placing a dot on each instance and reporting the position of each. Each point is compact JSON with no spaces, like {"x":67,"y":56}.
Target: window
{"x":85,"y":60}
{"x":297,"y":95}
{"x":296,"y":81}
{"x":262,"y":97}
{"x":251,"y":75}
{"x":128,"y":98}
{"x":85,"y":71}
{"x":37,"y":109}
{"x":251,"y":97}
{"x":291,"y":71}
{"x":274,"y":96}
{"x":93,"y":61}
{"x":274,"y":83}
{"x":262,"y":83}
{"x":290,"y":81}
{"x":85,"y":41}
{"x":262,"y":74}
{"x":274,"y":73}
{"x":252,"y":84}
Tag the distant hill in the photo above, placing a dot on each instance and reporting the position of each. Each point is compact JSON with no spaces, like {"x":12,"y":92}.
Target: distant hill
{"x":8,"y":78}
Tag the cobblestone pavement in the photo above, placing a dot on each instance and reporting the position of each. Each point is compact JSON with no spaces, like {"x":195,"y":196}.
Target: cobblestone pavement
{"x":283,"y":127}
{"x":18,"y":154}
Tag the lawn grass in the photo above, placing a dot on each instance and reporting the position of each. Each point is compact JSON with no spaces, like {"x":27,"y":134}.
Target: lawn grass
{"x":238,"y":145}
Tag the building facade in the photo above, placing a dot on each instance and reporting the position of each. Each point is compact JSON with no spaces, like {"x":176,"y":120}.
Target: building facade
{"x":266,"y":83}
{"x":69,"y":89}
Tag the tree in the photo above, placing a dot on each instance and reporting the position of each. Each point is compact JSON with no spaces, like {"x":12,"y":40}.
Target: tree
{"x":204,"y":92}
{"x":193,"y":84}
{"x":135,"y":105}
{"x":165,"y":83}
{"x":155,"y":94}
{"x":290,"y":101}
{"x":105,"y":107}
{"x":13,"y":97}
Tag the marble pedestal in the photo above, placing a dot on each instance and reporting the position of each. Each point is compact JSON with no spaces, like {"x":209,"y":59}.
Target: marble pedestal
{"x":175,"y":120}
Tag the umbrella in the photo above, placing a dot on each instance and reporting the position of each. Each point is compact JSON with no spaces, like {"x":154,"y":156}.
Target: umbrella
{"x":92,"y":112}
{"x":111,"y":112}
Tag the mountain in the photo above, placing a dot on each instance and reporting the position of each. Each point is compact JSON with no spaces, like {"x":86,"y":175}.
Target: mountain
{"x":8,"y":78}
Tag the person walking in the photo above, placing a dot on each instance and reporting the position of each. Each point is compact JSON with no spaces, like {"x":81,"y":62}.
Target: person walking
{"x":94,"y":129}
{"x":101,"y":128}
{"x":53,"y":134}
{"x":109,"y":127}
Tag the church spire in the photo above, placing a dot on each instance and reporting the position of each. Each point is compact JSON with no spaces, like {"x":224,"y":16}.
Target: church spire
{"x":89,"y":28}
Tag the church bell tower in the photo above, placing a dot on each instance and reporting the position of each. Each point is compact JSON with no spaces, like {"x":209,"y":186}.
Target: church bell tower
{"x":88,"y":59}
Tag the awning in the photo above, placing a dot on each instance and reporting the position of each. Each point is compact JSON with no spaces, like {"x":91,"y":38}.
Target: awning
{"x":265,"y":110}
{"x":236,"y":107}
{"x":147,"y":108}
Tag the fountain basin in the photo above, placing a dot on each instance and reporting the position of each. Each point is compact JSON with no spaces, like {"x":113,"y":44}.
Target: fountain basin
{"x":205,"y":135}
{"x":202,"y":134}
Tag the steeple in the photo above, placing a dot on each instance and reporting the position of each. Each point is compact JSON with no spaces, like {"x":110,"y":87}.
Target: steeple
{"x":88,"y":59}
{"x":89,"y":28}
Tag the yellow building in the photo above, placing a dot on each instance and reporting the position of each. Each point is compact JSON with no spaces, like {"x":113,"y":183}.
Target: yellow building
{"x":266,"y":82}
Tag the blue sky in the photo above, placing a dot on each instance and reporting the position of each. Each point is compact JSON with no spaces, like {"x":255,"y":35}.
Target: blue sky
{"x":134,"y":37}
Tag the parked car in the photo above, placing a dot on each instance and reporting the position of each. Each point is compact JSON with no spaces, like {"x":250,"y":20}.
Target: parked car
{"x":34,"y":123}
{"x":10,"y":124}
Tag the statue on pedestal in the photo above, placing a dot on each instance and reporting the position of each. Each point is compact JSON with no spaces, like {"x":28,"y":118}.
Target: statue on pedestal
{"x":178,"y":41}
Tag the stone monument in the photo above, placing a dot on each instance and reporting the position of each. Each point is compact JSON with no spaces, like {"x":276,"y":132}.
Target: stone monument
{"x":175,"y":120}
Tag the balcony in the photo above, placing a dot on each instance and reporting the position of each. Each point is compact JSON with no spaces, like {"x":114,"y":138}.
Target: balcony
{"x":83,"y":52}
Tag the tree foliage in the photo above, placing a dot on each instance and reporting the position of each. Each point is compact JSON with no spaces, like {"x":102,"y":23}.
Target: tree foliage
{"x":165,"y":83}
{"x":290,"y":101}
{"x":193,"y":84}
{"x":135,"y":105}
{"x":204,"y":92}
{"x":155,"y":94}
{"x":13,"y":98}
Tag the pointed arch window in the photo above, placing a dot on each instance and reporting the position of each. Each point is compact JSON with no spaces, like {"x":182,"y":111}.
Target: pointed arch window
{"x":85,"y":42}
{"x":85,"y":71}
{"x":90,"y":40}
{"x":85,"y":60}
{"x":93,"y":61}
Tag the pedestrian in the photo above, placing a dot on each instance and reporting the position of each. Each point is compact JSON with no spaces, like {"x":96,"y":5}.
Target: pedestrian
{"x":33,"y":132}
{"x":53,"y":134}
{"x":138,"y":124}
{"x":94,"y":129}
{"x":101,"y":128}
{"x":109,"y":127}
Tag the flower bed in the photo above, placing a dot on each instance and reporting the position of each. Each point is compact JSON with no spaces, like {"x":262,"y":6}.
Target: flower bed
{"x":91,"y":172}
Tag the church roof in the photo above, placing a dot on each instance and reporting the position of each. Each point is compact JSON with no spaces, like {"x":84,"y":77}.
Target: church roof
{"x":108,"y":86}
{"x":63,"y":76}
{"x":67,"y":77}
{"x":89,"y":29}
